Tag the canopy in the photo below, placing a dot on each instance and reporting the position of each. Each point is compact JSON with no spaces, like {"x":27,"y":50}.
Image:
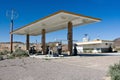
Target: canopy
{"x":54,"y":22}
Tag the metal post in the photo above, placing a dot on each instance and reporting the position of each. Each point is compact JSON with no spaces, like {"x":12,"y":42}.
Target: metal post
{"x":43,"y":41}
{"x":11,"y":37}
{"x":12,"y":14}
{"x":70,"y":38}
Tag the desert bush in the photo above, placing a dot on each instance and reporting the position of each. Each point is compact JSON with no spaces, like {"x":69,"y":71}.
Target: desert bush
{"x":1,"y":57}
{"x":11,"y":56}
{"x":114,"y":71}
{"x":1,"y":53}
{"x":5,"y":52}
{"x":20,"y":53}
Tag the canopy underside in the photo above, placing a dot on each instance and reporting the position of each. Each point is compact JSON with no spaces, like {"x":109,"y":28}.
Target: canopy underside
{"x":54,"y":22}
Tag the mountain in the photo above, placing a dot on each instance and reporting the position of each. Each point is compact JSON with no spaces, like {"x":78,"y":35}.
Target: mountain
{"x":117,"y":42}
{"x":13,"y":42}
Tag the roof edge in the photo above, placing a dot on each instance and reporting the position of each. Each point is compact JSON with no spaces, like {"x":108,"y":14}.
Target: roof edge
{"x":55,"y":14}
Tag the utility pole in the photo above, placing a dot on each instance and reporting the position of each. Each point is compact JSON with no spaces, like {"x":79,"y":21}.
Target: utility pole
{"x":12,"y":15}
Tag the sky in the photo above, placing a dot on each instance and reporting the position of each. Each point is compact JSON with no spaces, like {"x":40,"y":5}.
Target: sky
{"x":32,"y":10}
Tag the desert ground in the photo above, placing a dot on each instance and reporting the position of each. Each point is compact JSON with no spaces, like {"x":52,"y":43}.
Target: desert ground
{"x":69,"y":68}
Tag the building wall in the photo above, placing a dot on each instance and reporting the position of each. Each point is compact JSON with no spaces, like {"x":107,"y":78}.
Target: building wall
{"x":102,"y":45}
{"x":95,"y":47}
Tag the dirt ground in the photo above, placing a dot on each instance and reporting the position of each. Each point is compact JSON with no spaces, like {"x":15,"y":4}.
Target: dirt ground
{"x":70,"y":68}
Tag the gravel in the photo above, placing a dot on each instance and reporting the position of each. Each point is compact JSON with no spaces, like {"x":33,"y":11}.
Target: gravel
{"x":73,"y":68}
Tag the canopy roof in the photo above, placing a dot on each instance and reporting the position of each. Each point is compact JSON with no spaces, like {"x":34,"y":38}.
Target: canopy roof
{"x":54,"y":22}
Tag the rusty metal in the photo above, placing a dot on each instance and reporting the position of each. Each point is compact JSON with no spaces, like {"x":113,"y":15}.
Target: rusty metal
{"x":70,"y":37}
{"x":43,"y":41}
{"x":27,"y":42}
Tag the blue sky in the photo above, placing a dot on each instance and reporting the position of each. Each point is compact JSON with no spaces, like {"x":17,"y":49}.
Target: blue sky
{"x":31,"y":10}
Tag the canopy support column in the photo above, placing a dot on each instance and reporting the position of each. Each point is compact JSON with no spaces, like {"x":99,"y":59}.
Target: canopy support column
{"x":11,"y":43}
{"x":11,"y":37}
{"x":27,"y":42}
{"x":43,"y":41}
{"x":70,"y":38}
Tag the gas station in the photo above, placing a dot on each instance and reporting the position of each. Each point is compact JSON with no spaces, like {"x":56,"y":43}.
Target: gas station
{"x":54,"y":22}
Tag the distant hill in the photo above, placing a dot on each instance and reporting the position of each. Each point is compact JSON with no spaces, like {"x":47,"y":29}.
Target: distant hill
{"x":13,"y":42}
{"x":117,"y":42}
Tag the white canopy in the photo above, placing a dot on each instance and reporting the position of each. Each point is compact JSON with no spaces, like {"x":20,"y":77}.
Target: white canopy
{"x":54,"y":22}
